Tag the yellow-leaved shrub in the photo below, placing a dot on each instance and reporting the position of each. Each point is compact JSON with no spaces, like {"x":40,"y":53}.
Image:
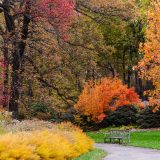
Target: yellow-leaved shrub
{"x":61,"y":143}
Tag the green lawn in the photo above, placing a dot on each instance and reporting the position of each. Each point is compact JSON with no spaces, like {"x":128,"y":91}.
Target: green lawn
{"x":147,"y":139}
{"x":96,"y":136}
{"x":96,"y":154}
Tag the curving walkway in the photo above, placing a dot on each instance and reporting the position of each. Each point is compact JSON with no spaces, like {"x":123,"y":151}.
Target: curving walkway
{"x":119,"y":152}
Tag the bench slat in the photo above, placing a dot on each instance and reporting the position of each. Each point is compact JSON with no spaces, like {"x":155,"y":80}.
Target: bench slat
{"x":121,"y":135}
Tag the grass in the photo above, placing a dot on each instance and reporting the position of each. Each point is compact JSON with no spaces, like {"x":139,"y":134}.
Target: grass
{"x":96,"y":136}
{"x":96,"y":154}
{"x":146,"y":139}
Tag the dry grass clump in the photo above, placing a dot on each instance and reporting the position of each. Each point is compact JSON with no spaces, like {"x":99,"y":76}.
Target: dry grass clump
{"x":29,"y":125}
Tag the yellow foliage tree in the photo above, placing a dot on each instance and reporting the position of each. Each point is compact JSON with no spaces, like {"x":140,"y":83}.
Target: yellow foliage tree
{"x":149,"y":66}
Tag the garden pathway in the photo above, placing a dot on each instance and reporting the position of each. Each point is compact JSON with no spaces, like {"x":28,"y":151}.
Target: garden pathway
{"x":119,"y":152}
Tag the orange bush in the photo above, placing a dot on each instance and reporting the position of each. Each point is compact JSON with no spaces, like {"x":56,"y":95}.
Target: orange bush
{"x":106,"y":94}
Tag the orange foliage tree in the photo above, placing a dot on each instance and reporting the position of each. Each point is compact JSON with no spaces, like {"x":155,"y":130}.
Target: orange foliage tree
{"x":149,"y":66}
{"x":103,"y":95}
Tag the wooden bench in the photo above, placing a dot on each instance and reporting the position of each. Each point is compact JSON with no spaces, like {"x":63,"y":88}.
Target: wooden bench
{"x":123,"y":136}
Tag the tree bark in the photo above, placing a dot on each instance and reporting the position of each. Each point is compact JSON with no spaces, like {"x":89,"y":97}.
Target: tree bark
{"x":18,"y":52}
{"x":17,"y":61}
{"x":14,"y":97}
{"x":6,"y":75}
{"x":129,"y":76}
{"x":123,"y":67}
{"x":139,"y":85}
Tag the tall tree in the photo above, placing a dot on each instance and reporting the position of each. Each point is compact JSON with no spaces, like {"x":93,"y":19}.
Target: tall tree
{"x":20,"y":17}
{"x":150,"y":65}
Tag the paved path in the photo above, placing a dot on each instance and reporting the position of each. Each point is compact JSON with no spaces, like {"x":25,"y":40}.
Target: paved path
{"x":119,"y":152}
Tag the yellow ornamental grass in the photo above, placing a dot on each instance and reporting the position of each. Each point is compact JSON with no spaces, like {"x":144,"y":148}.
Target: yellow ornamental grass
{"x":44,"y":145}
{"x":82,"y":143}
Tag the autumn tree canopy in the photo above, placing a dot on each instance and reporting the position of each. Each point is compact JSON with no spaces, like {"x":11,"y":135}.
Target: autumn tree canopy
{"x":55,"y":46}
{"x":149,"y":66}
{"x":20,"y":17}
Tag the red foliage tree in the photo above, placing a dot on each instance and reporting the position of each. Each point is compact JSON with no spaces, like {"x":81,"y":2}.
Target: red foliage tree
{"x":106,"y":94}
{"x":56,"y":13}
{"x":20,"y":16}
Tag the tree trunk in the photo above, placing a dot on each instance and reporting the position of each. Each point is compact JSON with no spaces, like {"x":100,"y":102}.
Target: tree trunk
{"x":19,"y":44}
{"x":112,"y":70}
{"x":6,"y":74}
{"x":129,"y":76}
{"x":123,"y":68}
{"x":139,"y":85}
{"x":17,"y":61}
{"x":141,"y":88}
{"x":30,"y":93}
{"x":14,"y":97}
